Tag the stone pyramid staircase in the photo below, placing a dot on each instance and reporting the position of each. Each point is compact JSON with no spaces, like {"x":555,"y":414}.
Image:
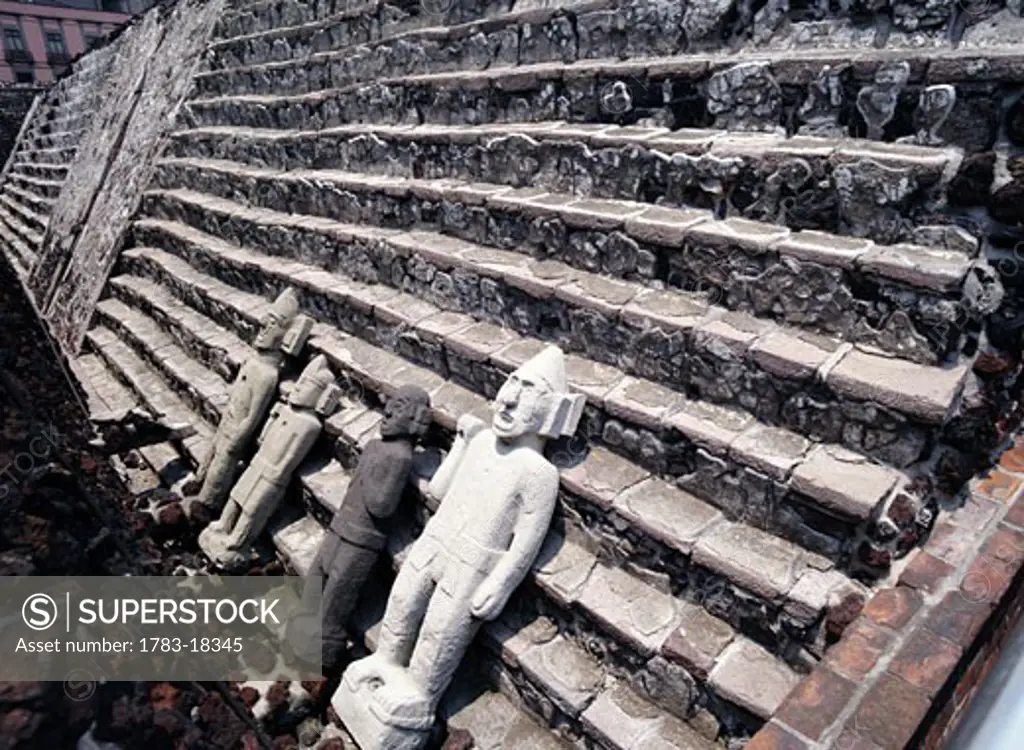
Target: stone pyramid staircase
{"x":775,"y":335}
{"x":38,"y":165}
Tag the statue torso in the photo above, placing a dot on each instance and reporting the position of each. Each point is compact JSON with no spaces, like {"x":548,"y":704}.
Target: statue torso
{"x":257,"y":379}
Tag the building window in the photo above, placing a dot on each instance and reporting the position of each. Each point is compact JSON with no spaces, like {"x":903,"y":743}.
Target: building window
{"x":24,"y":76}
{"x":13,"y":41}
{"x":55,"y":44}
{"x":91,"y":40}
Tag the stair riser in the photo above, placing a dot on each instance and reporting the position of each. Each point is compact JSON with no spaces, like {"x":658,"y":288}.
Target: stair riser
{"x":20,"y":230}
{"x":740,"y":491}
{"x":694,"y":360}
{"x":52,"y":156}
{"x":53,"y":140}
{"x":31,"y":220}
{"x":471,"y":98}
{"x":49,"y":172}
{"x":629,"y":170}
{"x":840,"y":299}
{"x":48,"y":191}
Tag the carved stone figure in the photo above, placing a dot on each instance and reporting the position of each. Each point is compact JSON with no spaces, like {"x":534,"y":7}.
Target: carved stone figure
{"x":497,"y":493}
{"x":287,"y":437}
{"x":877,"y":103}
{"x":745,"y":97}
{"x":252,"y":394}
{"x":933,"y":109}
{"x":820,"y":111}
{"x":355,"y":537}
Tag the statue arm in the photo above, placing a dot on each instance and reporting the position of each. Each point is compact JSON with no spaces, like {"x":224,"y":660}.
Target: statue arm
{"x":467,"y":428}
{"x":274,"y":414}
{"x":531,"y":527}
{"x":255,"y":409}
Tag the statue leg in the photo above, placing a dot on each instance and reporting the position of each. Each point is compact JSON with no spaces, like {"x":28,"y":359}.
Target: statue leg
{"x":349,"y":569}
{"x":407,"y":605}
{"x":305,"y":621}
{"x":255,"y":514}
{"x":447,"y":631}
{"x":220,"y":475}
{"x":227,"y":519}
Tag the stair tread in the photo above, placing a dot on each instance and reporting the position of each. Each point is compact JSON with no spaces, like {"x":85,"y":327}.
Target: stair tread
{"x":692,"y":141}
{"x":1005,"y":65}
{"x":921,"y":391}
{"x":105,"y":395}
{"x":740,"y":435}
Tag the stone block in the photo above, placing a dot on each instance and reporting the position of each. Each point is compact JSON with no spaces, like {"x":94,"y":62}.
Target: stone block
{"x":663,"y":309}
{"x":567,"y":673}
{"x":844,"y":482}
{"x":752,"y":678}
{"x":620,"y":718}
{"x":563,"y":568}
{"x":698,"y":640}
{"x":636,"y":612}
{"x":793,"y":355}
{"x":824,"y":248}
{"x":666,"y":512}
{"x":641,"y":401}
{"x":927,"y":393}
{"x":750,"y":236}
{"x":758,"y":562}
{"x":711,"y":426}
{"x":816,"y":702}
{"x":664,"y":226}
{"x":894,"y":607}
{"x":890,"y":712}
{"x":917,"y":265}
{"x":925,"y":661}
{"x":602,"y":477}
{"x":772,"y":450}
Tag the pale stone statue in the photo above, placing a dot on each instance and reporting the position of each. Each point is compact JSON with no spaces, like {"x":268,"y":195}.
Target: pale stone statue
{"x":497,"y":493}
{"x":287,"y":437}
{"x":252,"y":393}
{"x":355,"y":537}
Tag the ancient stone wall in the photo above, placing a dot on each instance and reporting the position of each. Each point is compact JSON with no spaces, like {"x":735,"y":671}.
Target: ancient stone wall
{"x":149,"y":76}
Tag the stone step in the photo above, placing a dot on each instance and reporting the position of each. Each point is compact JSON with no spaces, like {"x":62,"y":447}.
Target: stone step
{"x":150,"y":388}
{"x":21,"y":257}
{"x":32,"y":220}
{"x":695,"y":442}
{"x":610,"y":486}
{"x":46,"y":155}
{"x":339,"y":52}
{"x":42,"y":171}
{"x":245,"y":40}
{"x":44,"y":187}
{"x":214,"y":346}
{"x":614,"y":91}
{"x":16,"y":223}
{"x":525,"y":37}
{"x":40,"y":204}
{"x":267,"y":15}
{"x":104,"y":394}
{"x":202,"y":389}
{"x":54,"y":140}
{"x":824,"y":283}
{"x":759,"y":176}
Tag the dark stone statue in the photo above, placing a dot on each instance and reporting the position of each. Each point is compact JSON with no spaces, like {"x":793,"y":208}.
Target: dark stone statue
{"x":356,"y":537}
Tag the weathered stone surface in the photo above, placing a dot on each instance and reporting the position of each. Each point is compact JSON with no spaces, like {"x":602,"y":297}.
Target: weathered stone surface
{"x":563,"y":568}
{"x":572,"y":676}
{"x":763,"y":564}
{"x":637,"y":613}
{"x":843,"y":481}
{"x":698,"y":640}
{"x":749,"y":676}
{"x":666,"y":512}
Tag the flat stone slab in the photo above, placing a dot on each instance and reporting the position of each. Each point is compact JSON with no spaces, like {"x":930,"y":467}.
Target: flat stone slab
{"x":763,"y":564}
{"x":925,"y":392}
{"x":603,"y":476}
{"x":634,"y":610}
{"x":563,"y":568}
{"x":772,"y":450}
{"x":667,"y":513}
{"x":843,"y":481}
{"x":571,"y":675}
{"x":698,"y":640}
{"x":751,"y":677}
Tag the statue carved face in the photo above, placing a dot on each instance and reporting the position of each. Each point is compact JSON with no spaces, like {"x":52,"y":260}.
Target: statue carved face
{"x":521,"y":406}
{"x":407,"y":414}
{"x":273,"y":327}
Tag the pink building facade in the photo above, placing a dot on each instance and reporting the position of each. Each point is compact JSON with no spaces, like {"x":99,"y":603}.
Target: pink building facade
{"x":39,"y":40}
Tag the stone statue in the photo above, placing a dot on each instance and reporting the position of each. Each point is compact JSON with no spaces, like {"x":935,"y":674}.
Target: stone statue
{"x":355,"y":537}
{"x":287,"y":437}
{"x":252,"y":393}
{"x":497,"y":493}
{"x":877,"y":103}
{"x":824,"y":103}
{"x":933,"y":109}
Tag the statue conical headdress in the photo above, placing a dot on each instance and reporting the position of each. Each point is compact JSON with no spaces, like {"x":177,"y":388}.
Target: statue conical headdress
{"x":546,"y":367}
{"x":286,"y":305}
